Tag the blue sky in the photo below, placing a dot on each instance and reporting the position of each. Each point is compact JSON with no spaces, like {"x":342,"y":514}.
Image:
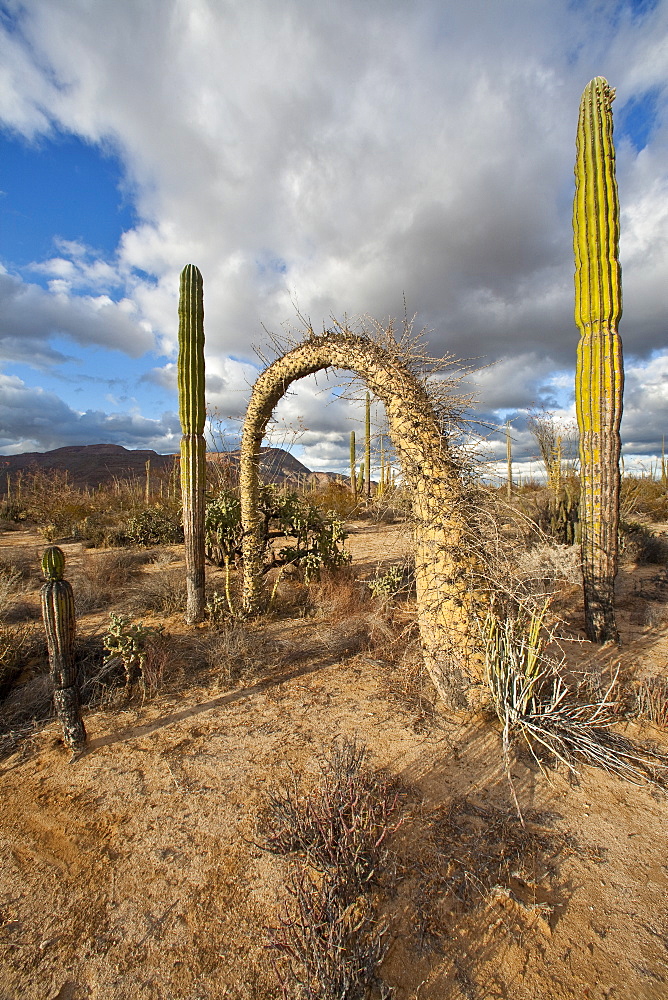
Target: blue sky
{"x":321,"y":160}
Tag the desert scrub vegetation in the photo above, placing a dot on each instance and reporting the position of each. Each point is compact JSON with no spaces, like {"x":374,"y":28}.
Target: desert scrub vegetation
{"x":639,"y":544}
{"x":538,"y":709}
{"x":330,"y":940}
{"x":295,"y":529}
{"x":139,"y":648}
{"x":645,"y":497}
{"x":102,"y":577}
{"x":473,"y":855}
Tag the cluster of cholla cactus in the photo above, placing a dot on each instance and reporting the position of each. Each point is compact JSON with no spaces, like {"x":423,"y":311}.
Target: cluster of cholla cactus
{"x":60,"y":626}
{"x":192,"y":413}
{"x":599,"y":373}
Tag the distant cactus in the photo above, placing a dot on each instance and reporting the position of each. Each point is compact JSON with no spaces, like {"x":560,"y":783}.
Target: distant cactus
{"x":60,"y":626}
{"x":599,"y":377}
{"x":446,"y":570}
{"x":509,"y":463}
{"x":353,"y":466}
{"x":367,"y":444}
{"x":190,"y":370}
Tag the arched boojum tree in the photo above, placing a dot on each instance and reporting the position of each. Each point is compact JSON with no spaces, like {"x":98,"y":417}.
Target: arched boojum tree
{"x":447,"y":581}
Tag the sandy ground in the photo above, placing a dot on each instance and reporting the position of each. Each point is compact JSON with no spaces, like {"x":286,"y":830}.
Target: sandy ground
{"x":134,"y":872}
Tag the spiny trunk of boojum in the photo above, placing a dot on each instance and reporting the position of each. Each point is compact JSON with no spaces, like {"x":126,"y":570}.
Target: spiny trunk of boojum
{"x":446,"y":569}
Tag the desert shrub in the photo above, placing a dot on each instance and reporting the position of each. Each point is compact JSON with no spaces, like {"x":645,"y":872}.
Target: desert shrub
{"x":335,"y":497}
{"x":546,"y":563}
{"x":240,"y":650}
{"x":22,"y":563}
{"x":642,"y":496}
{"x":163,"y":591}
{"x":13,"y":511}
{"x":641,"y":545}
{"x":313,"y":539}
{"x":99,"y":577}
{"x":158,"y":525}
{"x":330,"y":940}
{"x":337,"y":595}
{"x":18,"y":645}
{"x":52,"y":503}
{"x":102,"y":528}
{"x":10,"y":586}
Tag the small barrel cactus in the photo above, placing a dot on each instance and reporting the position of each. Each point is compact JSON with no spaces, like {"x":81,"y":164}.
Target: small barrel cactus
{"x":60,"y":626}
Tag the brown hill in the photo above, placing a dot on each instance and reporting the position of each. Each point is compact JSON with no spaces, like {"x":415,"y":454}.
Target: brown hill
{"x":276,"y":466}
{"x":89,"y":466}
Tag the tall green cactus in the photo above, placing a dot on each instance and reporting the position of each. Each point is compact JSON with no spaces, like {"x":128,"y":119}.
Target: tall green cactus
{"x":60,"y":626}
{"x":367,"y":444}
{"x":599,"y":377}
{"x":353,"y":465}
{"x":509,"y":463}
{"x":190,"y":370}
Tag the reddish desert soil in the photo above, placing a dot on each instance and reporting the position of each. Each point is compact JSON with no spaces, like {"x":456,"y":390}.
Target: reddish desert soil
{"x":133,"y":872}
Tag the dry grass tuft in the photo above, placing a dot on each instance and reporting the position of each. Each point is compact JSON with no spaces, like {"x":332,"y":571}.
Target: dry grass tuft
{"x":163,"y":591}
{"x":651,"y":701}
{"x":101,"y":575}
{"x":20,"y":645}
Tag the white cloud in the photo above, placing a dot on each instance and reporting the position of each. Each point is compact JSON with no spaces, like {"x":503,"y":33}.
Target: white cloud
{"x":339,"y":157}
{"x":30,"y":316}
{"x":34,"y":420}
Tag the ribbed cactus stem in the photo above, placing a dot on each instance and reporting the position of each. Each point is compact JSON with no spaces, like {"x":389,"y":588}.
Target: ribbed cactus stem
{"x":353,"y":461}
{"x":60,"y":627}
{"x":367,"y":444}
{"x":192,"y":413}
{"x":509,"y":463}
{"x":599,"y":378}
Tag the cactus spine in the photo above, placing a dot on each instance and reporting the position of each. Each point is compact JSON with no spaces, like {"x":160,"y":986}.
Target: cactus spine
{"x":192,"y":413}
{"x":60,"y":626}
{"x":599,"y":376}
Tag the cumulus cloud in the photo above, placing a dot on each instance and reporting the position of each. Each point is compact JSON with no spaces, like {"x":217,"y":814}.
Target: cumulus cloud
{"x":31,"y":315}
{"x":34,"y":420}
{"x":337,"y":158}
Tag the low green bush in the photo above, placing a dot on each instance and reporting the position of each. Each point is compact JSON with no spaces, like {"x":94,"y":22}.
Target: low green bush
{"x":158,"y":525}
{"x":313,"y":538}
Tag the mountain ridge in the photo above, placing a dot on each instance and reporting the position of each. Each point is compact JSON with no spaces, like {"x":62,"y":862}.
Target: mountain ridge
{"x":89,"y":466}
